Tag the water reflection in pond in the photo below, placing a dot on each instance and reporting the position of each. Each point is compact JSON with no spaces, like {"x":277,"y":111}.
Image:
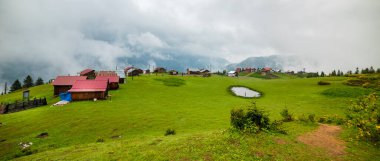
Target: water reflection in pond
{"x":245,"y":92}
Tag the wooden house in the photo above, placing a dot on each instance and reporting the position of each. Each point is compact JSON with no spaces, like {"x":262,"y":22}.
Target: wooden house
{"x":89,"y":73}
{"x":113,"y":81}
{"x":193,"y":71}
{"x":106,"y":73}
{"x":64,"y":83}
{"x":159,"y":70}
{"x":89,"y":90}
{"x":135,"y":72}
{"x":173,"y":72}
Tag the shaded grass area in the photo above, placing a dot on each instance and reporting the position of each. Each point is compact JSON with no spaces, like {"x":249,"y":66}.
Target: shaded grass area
{"x":266,"y":76}
{"x":143,"y":109}
{"x":216,"y":145}
{"x":347,"y":92}
{"x":175,"y":82}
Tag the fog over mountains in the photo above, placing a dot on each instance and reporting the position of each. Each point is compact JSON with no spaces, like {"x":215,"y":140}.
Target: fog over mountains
{"x":48,"y":38}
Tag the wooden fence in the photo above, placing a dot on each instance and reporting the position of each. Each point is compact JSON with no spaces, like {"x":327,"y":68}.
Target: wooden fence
{"x":22,"y":105}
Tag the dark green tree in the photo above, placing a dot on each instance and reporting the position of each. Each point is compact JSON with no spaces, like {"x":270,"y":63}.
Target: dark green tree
{"x":322,"y":74}
{"x":16,"y":85}
{"x":39,"y":81}
{"x":28,"y":82}
{"x":378,"y":70}
{"x":371,"y":70}
{"x":338,"y":74}
{"x":333,"y":73}
{"x":357,"y":70}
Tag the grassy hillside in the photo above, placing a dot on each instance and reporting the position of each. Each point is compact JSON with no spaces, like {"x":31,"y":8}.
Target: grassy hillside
{"x":142,"y":109}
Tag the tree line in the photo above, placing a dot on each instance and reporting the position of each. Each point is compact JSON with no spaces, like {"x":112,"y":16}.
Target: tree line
{"x":28,"y":82}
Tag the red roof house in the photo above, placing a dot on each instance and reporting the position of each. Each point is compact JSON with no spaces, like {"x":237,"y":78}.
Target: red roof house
{"x":90,"y":73}
{"x":267,"y":69}
{"x":89,"y":89}
{"x":64,"y":83}
{"x":113,"y":81}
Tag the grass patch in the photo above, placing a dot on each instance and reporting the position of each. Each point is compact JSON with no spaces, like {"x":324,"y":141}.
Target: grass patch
{"x":346,"y":92}
{"x":144,"y":108}
{"x":266,"y":76}
{"x":172,"y":82}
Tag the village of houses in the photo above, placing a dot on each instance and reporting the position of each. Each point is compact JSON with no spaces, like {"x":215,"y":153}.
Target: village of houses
{"x":91,"y":84}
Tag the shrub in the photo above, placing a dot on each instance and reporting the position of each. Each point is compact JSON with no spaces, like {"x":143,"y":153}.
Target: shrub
{"x":312,"y":117}
{"x":253,"y":120}
{"x":322,"y":83}
{"x":286,"y":115}
{"x":99,"y":140}
{"x":303,"y":118}
{"x":364,"y":114}
{"x":170,"y":132}
{"x":322,"y":119}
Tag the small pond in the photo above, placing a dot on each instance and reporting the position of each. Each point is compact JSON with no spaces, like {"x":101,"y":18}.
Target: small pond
{"x":245,"y":92}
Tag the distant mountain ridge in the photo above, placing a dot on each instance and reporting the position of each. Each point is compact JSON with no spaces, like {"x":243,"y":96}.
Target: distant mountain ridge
{"x":277,"y":62}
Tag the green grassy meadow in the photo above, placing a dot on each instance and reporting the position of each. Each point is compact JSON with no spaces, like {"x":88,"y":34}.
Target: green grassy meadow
{"x":133,"y":122}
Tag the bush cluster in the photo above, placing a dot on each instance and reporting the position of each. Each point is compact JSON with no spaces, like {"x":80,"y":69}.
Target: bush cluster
{"x":170,"y":132}
{"x":322,"y":83}
{"x":253,"y":120}
{"x":286,"y":115}
{"x":364,"y":115}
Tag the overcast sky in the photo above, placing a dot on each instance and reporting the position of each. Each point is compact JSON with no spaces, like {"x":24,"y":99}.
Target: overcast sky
{"x":57,"y":36}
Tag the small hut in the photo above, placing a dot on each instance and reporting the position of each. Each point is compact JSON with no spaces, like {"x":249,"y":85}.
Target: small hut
{"x":89,"y":73}
{"x":64,"y":83}
{"x":135,"y":72}
{"x":173,"y":72}
{"x":159,"y":70}
{"x":113,"y":81}
{"x":89,"y":89}
{"x":193,"y":71}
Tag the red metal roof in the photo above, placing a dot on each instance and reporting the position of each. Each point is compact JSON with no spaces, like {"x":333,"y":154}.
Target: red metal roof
{"x":266,"y":69}
{"x":127,"y":68}
{"x":67,"y":80}
{"x":112,"y":79}
{"x":89,"y":86}
{"x":86,"y":71}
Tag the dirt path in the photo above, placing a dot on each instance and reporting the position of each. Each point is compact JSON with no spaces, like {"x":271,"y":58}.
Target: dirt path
{"x":326,"y":136}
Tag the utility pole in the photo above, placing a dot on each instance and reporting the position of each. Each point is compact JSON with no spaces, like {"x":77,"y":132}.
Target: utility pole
{"x":5,"y":88}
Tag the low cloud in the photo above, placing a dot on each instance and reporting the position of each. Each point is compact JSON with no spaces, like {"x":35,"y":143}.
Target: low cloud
{"x":48,"y":38}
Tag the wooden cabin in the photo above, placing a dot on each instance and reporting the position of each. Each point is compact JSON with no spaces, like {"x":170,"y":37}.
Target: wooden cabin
{"x":159,"y":70}
{"x":193,"y":71}
{"x":89,"y":90}
{"x":89,"y":73}
{"x":113,"y":81}
{"x":64,"y":83}
{"x":106,"y":73}
{"x":173,"y":72}
{"x":135,"y":72}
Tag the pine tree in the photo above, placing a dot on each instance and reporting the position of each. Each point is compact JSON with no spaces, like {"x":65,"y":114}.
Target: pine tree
{"x":371,"y":70}
{"x":28,"y":82}
{"x":338,"y":74}
{"x":366,"y":71}
{"x":357,"y":70}
{"x":39,"y":81}
{"x":322,"y":74}
{"x":333,"y":73}
{"x":378,"y":70}
{"x":16,"y":85}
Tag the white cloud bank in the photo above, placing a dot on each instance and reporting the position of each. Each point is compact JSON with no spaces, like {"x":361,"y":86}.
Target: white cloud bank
{"x":68,"y":35}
